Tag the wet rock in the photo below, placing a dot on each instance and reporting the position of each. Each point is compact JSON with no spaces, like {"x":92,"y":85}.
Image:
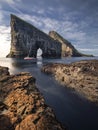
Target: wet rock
{"x":80,"y":76}
{"x":22,"y":106}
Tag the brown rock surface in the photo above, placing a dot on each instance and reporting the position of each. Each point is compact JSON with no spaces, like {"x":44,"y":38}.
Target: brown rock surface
{"x":22,"y":107}
{"x":80,"y":76}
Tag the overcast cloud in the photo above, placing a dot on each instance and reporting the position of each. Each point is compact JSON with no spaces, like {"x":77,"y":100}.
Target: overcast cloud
{"x":75,"y":20}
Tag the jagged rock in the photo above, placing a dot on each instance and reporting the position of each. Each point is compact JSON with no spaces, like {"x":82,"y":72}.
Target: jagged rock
{"x":68,"y":49}
{"x":80,"y":76}
{"x":22,"y":106}
{"x":27,"y":39}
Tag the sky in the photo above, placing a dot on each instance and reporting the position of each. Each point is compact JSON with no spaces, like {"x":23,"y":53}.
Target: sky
{"x":75,"y":20}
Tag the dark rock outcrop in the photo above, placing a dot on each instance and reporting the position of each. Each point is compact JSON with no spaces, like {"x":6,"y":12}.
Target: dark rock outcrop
{"x":22,"y":107}
{"x":80,"y":76}
{"x":68,"y":50}
{"x":27,"y":39}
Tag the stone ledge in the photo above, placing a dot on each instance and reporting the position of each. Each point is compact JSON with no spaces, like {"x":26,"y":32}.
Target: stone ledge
{"x":80,"y":76}
{"x":22,"y":106}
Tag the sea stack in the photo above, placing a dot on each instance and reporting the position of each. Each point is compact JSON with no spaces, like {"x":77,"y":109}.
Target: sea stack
{"x":27,"y":39}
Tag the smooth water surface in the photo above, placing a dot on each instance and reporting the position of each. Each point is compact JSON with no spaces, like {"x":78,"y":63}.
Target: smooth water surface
{"x":73,"y":111}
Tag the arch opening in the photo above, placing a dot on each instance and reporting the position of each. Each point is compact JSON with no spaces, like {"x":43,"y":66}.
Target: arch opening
{"x":39,"y":53}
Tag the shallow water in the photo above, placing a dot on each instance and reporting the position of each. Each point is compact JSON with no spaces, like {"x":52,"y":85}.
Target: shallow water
{"x":73,"y":111}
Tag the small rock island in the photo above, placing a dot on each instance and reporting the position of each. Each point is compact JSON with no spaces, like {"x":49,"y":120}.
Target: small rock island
{"x":22,"y":106}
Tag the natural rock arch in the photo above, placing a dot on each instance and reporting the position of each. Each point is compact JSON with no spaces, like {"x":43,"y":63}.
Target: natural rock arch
{"x":27,"y":39}
{"x":39,"y":53}
{"x":34,"y":48}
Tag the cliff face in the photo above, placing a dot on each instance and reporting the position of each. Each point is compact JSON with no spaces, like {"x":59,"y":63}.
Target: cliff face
{"x":27,"y":39}
{"x":67,"y":48}
{"x":22,"y":107}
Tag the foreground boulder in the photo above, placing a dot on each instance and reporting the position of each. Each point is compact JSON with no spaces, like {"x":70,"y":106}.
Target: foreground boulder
{"x":80,"y":76}
{"x":22,"y":107}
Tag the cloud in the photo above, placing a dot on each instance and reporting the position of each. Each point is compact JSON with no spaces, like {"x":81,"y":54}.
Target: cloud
{"x":38,"y":10}
{"x":68,"y":29}
{"x":89,"y":51}
{"x":12,"y":1}
{"x":4,"y":40}
{"x":96,"y":45}
{"x":11,"y":4}
{"x":9,"y":1}
{"x":76,"y":21}
{"x":0,"y":7}
{"x":1,"y":17}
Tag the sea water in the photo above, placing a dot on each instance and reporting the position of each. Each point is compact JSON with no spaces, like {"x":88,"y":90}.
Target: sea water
{"x":71,"y":109}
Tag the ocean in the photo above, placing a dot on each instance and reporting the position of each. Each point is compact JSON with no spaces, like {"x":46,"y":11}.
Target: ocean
{"x":70,"y":108}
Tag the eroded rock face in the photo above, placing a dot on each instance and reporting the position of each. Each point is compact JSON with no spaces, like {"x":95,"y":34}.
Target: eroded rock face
{"x":80,"y":76}
{"x":27,"y":39}
{"x":68,"y":50}
{"x":22,"y":107}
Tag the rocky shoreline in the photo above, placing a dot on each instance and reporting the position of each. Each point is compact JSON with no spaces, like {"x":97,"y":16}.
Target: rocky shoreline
{"x":80,"y":76}
{"x":22,"y":106}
